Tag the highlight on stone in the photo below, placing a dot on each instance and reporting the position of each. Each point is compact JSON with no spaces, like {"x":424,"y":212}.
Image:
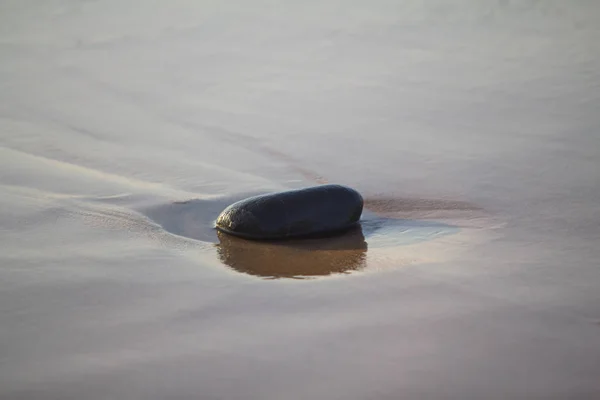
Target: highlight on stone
{"x":313,"y":211}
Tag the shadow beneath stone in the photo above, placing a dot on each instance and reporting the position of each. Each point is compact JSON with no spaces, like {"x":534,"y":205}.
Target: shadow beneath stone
{"x":300,"y":259}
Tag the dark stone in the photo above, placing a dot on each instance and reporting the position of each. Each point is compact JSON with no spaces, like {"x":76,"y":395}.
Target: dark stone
{"x":314,"y":211}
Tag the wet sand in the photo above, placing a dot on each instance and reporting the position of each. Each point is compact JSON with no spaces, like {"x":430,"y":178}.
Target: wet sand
{"x":470,"y":128}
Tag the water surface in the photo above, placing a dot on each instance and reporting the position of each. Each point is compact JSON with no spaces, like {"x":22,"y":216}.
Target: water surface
{"x":471,"y":128}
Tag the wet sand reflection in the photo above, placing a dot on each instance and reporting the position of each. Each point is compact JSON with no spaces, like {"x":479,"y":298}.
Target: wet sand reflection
{"x":298,"y":259}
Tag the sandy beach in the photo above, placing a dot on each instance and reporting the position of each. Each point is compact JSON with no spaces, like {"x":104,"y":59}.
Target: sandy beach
{"x":470,"y":128}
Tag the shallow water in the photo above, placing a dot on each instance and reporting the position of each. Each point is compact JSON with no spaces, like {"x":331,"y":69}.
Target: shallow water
{"x":471,"y":129}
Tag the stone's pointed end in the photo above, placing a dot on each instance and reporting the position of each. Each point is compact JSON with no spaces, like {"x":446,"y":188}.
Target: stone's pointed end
{"x":309,"y":212}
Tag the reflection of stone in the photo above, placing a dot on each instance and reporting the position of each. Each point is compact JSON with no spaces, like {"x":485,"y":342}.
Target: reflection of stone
{"x":295,"y":258}
{"x":294,"y":213}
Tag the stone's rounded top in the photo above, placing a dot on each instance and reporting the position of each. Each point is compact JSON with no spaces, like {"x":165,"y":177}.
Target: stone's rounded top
{"x":313,"y":211}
